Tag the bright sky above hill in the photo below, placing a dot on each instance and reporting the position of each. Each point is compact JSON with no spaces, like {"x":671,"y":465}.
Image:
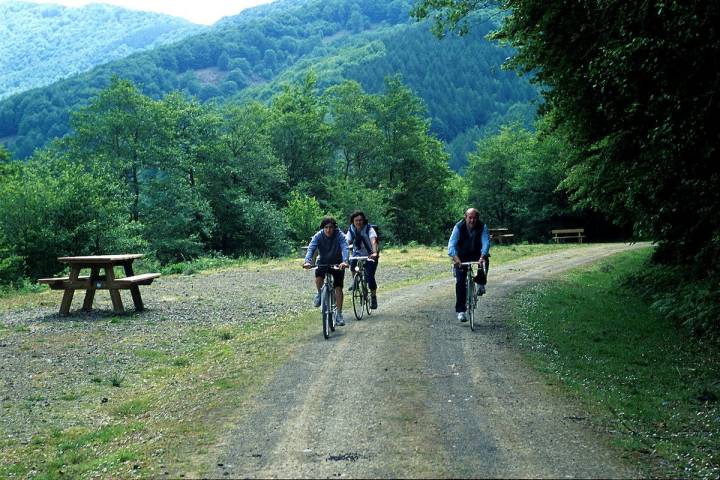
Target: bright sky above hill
{"x":205,"y":12}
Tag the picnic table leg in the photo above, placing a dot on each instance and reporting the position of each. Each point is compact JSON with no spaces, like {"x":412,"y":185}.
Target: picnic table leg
{"x":114,"y":292}
{"x":134,"y":289}
{"x":90,"y":293}
{"x":69,"y":292}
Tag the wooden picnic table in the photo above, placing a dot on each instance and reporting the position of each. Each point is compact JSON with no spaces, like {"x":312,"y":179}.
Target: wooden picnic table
{"x":96,"y":281}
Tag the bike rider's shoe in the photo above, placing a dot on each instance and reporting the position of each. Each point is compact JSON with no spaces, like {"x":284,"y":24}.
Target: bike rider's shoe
{"x":373,"y":302}
{"x":339,"y":319}
{"x":351,"y":287}
{"x":480,"y":290}
{"x":316,"y":301}
{"x":462,"y":317}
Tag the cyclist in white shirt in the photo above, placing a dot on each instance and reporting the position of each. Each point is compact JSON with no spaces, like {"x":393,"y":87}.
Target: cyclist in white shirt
{"x":364,"y":240}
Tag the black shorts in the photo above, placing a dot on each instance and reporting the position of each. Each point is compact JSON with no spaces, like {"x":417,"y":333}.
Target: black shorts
{"x":338,"y":275}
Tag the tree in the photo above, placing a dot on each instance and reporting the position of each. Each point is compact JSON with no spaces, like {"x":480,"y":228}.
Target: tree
{"x":355,"y":134}
{"x":300,"y":137}
{"x":414,"y":171}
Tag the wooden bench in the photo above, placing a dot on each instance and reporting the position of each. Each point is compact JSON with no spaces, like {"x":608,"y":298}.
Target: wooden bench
{"x":568,"y":234}
{"x":501,"y":235}
{"x":58,"y":283}
{"x":142,"y":279}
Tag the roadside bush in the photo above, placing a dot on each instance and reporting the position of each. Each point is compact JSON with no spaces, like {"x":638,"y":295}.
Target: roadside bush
{"x":682,"y":296}
{"x":303,"y":215}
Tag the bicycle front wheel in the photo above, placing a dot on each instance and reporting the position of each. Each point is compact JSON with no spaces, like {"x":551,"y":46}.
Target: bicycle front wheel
{"x":471,"y":302}
{"x":326,"y":310}
{"x":357,"y":298}
{"x":366,"y":296}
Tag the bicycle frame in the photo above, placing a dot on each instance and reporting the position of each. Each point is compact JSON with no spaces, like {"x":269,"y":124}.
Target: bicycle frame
{"x":328,"y":308}
{"x":470,"y":296}
{"x":360,"y":296}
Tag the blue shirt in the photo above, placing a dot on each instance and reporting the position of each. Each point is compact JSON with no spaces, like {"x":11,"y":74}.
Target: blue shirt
{"x":455,"y":235}
{"x":315,"y":243}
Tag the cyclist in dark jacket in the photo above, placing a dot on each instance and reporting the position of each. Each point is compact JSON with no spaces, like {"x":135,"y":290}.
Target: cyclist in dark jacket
{"x":469,"y":242}
{"x":332,"y":248}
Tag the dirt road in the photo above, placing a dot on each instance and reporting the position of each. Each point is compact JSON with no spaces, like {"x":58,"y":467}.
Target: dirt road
{"x":411,"y":392}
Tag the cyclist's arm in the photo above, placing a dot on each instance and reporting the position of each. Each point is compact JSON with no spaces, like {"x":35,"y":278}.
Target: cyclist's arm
{"x":373,"y":242}
{"x":311,"y":248}
{"x":344,"y":248}
{"x":485,"y":250}
{"x":452,"y":244}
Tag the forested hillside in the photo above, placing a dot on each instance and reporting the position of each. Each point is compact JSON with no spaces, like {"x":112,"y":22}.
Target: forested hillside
{"x":41,"y":43}
{"x":251,"y":55}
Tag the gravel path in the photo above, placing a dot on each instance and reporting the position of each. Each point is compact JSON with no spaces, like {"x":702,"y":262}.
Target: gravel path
{"x":411,"y":392}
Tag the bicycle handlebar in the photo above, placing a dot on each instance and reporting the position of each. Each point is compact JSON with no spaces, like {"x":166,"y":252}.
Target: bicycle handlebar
{"x":478,"y":262}
{"x":362,"y":258}
{"x":333,"y":266}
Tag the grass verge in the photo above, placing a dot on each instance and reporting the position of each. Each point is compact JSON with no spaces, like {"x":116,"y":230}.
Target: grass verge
{"x":654,"y":388}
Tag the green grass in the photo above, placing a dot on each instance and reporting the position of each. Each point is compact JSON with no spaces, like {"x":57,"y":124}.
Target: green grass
{"x":649,"y":384}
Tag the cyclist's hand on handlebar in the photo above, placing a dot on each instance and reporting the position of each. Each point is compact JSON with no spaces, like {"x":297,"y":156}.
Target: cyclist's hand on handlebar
{"x":307,"y":265}
{"x":373,"y":256}
{"x":343,"y":265}
{"x":456,"y":260}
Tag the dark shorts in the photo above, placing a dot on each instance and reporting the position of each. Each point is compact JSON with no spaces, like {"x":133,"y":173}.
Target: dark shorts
{"x":338,"y":275}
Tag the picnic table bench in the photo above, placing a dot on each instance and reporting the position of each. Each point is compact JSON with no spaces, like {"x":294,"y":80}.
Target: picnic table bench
{"x":501,"y":235}
{"x":96,"y":281}
{"x":568,"y":234}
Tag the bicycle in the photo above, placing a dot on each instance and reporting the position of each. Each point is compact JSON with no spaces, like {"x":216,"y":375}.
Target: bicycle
{"x":360,"y":290}
{"x":471,"y":295}
{"x":328,"y":309}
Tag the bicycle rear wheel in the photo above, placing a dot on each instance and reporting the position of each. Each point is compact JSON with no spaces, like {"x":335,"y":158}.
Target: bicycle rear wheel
{"x":326,"y":309}
{"x":471,"y":302}
{"x":357,"y":297}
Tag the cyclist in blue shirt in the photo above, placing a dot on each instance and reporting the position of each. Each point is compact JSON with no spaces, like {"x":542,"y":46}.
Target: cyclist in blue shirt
{"x":469,"y":242}
{"x":332,"y":248}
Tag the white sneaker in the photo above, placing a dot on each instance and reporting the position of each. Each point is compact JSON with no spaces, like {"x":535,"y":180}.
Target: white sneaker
{"x":316,"y":300}
{"x":339,"y":319}
{"x":461,"y":317}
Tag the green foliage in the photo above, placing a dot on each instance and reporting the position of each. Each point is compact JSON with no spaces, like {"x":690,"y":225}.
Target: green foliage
{"x":43,"y":43}
{"x":303,"y":216}
{"x":54,"y":207}
{"x":176,"y":179}
{"x":683,"y":295}
{"x":349,"y":194}
{"x":513,"y":177}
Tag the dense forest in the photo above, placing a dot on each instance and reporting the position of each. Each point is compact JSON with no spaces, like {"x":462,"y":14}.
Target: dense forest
{"x":41,"y":43}
{"x":252,"y":55}
{"x":178,"y":179}
{"x":632,"y":89}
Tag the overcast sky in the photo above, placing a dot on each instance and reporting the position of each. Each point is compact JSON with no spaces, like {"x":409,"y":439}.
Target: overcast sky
{"x":202,"y":11}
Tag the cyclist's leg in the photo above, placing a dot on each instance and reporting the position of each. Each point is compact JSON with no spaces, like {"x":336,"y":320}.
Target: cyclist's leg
{"x":353,"y":264}
{"x":319,"y":279}
{"x":370,"y":269}
{"x":480,"y":276}
{"x":339,"y":279}
{"x":460,"y":288}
